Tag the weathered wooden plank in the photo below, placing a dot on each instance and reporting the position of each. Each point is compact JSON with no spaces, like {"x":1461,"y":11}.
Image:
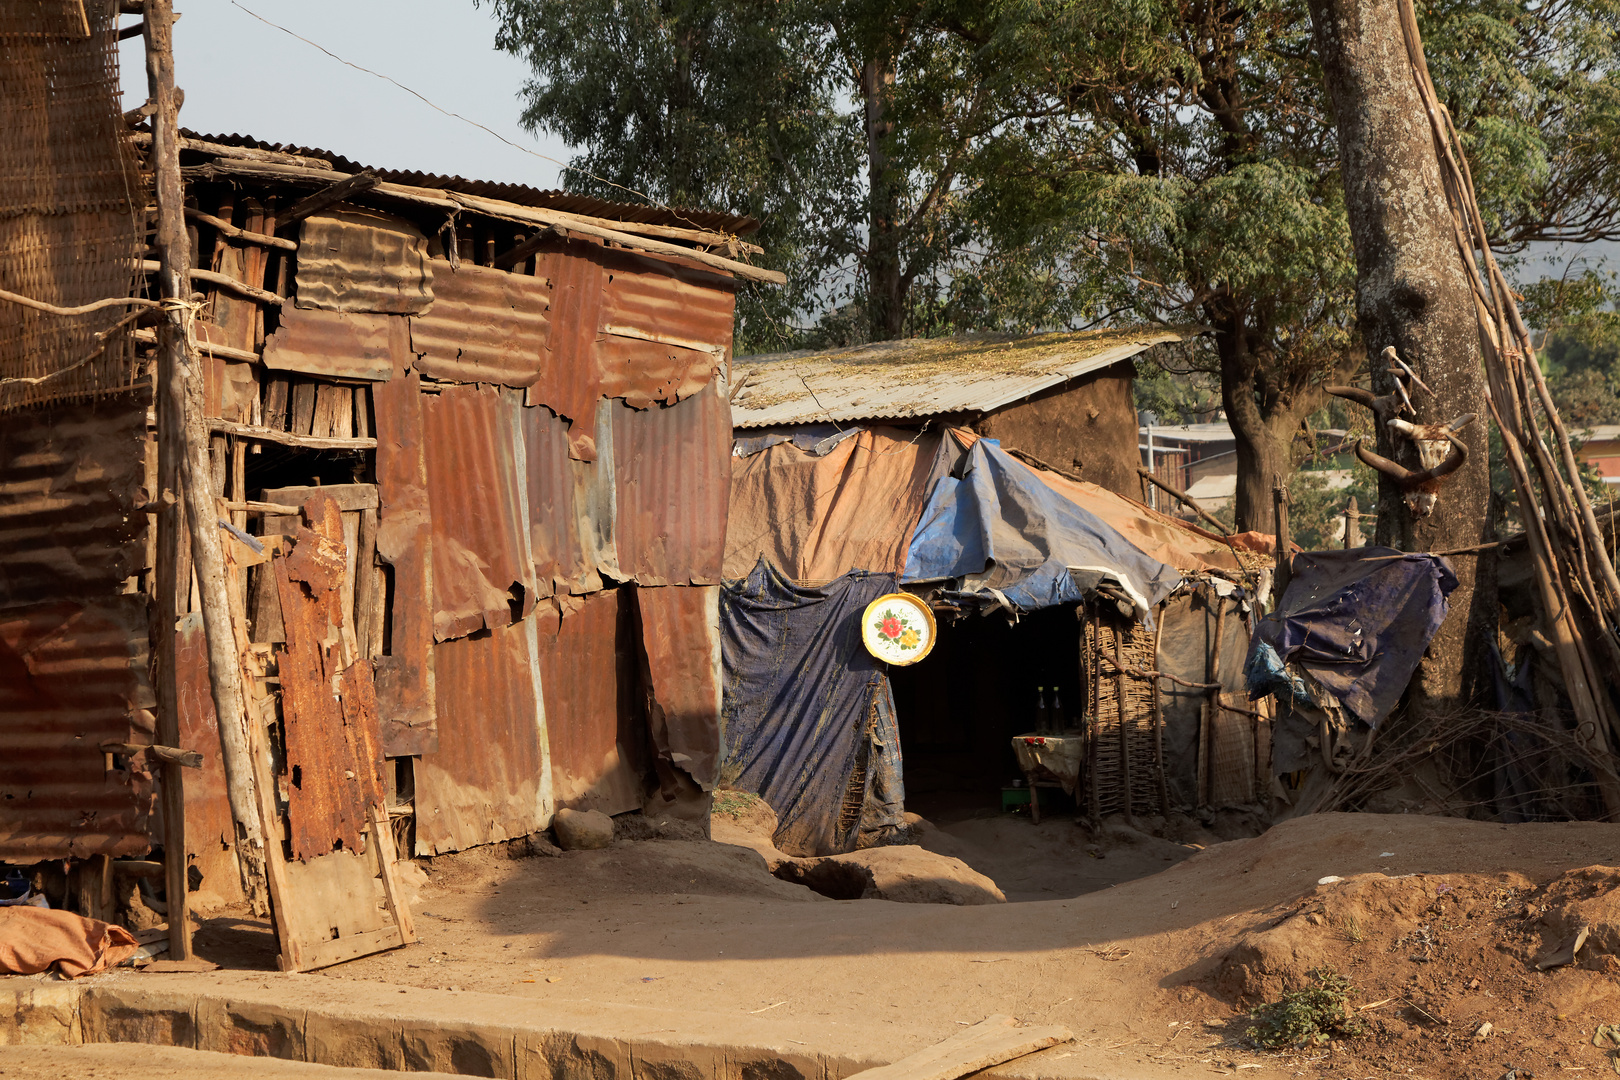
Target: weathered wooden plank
{"x":333,"y":756}
{"x":987,"y":1043}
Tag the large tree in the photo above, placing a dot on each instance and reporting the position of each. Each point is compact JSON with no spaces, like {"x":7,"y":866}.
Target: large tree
{"x":927,"y":166}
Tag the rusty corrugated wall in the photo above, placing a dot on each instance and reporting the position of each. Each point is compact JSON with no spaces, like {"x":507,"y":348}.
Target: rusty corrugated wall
{"x":588,"y":668}
{"x":489,"y":779}
{"x":483,"y":568}
{"x":74,"y":654}
{"x":561,"y":563}
{"x":672,"y":481}
{"x":485,"y":325}
{"x":680,"y":642}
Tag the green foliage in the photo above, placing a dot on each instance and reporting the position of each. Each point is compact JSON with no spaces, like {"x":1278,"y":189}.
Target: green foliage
{"x":1306,"y":1017}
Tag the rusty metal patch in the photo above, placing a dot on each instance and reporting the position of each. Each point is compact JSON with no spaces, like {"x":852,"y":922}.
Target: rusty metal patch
{"x":483,"y":568}
{"x":680,"y":640}
{"x":363,"y":260}
{"x":210,"y":829}
{"x":339,"y":344}
{"x":405,"y":676}
{"x":589,"y":673}
{"x":561,"y":563}
{"x":663,"y":300}
{"x":69,"y":482}
{"x":647,"y":372}
{"x":485,"y":326}
{"x":672,"y":485}
{"x":487,"y":781}
{"x":569,"y":382}
{"x":329,"y":717}
{"x":71,"y":677}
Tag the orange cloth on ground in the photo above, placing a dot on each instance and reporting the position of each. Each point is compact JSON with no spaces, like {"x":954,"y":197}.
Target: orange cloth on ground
{"x":32,"y":939}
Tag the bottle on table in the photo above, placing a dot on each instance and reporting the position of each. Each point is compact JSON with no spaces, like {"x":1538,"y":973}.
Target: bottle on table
{"x":1055,"y":715}
{"x":1042,"y":720}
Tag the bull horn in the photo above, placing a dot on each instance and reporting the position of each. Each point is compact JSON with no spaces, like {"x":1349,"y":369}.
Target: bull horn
{"x":1453,"y":462}
{"x":1356,"y":394}
{"x":1403,"y":477}
{"x":1462,"y":421}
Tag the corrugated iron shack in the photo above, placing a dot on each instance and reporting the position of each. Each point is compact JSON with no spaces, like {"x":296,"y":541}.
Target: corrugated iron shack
{"x":515,"y":403}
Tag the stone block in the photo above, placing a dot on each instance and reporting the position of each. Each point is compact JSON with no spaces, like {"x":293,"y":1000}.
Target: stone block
{"x":32,"y":1014}
{"x":457,"y":1047}
{"x":353,"y":1042}
{"x":110,"y":1014}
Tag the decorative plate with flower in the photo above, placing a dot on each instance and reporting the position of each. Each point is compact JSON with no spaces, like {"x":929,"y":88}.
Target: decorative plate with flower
{"x":898,"y":628}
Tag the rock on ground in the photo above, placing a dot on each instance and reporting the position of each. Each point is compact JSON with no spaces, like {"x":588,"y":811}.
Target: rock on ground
{"x":582,"y":830}
{"x":902,"y":873}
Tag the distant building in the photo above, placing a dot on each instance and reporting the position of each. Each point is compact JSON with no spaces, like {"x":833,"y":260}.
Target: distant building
{"x":1599,"y":447}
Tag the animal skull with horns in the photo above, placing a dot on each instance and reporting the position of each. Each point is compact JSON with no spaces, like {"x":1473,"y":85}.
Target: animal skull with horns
{"x":1439,"y":450}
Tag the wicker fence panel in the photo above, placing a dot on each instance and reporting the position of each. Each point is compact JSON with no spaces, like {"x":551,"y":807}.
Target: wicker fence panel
{"x":71,"y":203}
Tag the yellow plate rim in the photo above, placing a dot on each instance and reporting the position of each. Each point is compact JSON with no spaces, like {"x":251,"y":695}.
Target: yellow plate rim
{"x":928,"y":614}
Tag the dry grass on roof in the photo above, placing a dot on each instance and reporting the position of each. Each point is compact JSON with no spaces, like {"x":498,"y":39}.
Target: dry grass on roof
{"x":916,"y":359}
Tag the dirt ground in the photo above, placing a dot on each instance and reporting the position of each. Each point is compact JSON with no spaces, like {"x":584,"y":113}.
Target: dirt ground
{"x":1438,"y":923}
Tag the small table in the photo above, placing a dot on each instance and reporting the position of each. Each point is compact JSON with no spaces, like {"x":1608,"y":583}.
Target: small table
{"x":1057,"y":756}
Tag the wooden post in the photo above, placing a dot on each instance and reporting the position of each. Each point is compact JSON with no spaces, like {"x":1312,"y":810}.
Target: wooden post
{"x":1352,"y":524}
{"x":183,"y":455}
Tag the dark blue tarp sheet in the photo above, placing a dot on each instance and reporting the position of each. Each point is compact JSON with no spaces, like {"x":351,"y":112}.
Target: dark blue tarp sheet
{"x":1357,"y":621}
{"x":807,"y":720}
{"x":994,"y":525}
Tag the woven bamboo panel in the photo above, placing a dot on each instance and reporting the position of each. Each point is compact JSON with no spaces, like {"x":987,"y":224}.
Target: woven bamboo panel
{"x":71,"y":201}
{"x":1124,"y":765}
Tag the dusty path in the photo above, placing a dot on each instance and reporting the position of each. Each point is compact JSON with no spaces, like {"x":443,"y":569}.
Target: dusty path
{"x":1131,"y":968}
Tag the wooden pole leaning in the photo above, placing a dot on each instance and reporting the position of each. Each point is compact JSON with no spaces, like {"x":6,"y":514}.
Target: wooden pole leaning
{"x":183,"y":455}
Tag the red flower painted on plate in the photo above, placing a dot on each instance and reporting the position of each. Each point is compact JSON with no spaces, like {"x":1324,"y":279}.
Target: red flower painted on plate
{"x":890,"y":627}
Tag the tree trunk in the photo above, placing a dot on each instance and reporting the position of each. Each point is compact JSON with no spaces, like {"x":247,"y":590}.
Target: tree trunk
{"x":1412,"y":293}
{"x":1262,"y":436}
{"x":886,"y":297}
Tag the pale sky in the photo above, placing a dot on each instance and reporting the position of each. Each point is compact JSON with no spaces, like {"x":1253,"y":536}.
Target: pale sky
{"x":241,"y":76}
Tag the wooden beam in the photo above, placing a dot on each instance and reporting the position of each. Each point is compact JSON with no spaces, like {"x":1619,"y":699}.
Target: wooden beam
{"x":225,"y":352}
{"x":287,"y":438}
{"x":988,"y":1043}
{"x":183,"y":453}
{"x":191,"y":759}
{"x":227,"y":229}
{"x":625,"y":233}
{"x":224,"y":281}
{"x":523,"y":250}
{"x":314,"y":204}
{"x":1192,"y":503}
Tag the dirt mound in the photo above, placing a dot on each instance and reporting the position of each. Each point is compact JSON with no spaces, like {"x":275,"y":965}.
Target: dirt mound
{"x":1465,"y":971}
{"x":902,"y":873}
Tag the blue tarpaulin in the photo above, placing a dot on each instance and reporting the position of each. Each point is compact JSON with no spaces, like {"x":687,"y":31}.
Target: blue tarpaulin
{"x":807,"y":720}
{"x":1357,"y":621}
{"x":995,"y":526}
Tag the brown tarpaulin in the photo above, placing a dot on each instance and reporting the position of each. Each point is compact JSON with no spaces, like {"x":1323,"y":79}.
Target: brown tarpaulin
{"x":32,"y":939}
{"x":817,"y":517}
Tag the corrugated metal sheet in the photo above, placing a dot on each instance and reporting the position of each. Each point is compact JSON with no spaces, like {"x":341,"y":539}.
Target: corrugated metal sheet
{"x":405,"y":678}
{"x":644,"y":373}
{"x":490,"y":779}
{"x":521,"y":194}
{"x":363,"y":260}
{"x":561,"y":563}
{"x":71,"y":675}
{"x":672,"y":487}
{"x":69,"y":481}
{"x":340,"y":344}
{"x":922,"y":376}
{"x":588,"y":670}
{"x":662,"y":300}
{"x":210,"y":829}
{"x":680,"y":637}
{"x":569,"y":382}
{"x":483,"y":566}
{"x":484,"y":326}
